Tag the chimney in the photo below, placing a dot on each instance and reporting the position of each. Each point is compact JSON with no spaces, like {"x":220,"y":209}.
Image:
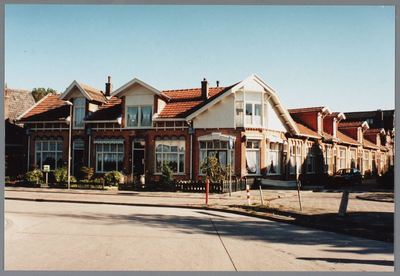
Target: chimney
{"x":217,"y":83}
{"x":204,"y":90}
{"x":108,"y":87}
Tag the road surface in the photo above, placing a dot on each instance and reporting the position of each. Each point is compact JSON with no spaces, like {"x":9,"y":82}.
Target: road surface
{"x":72,"y":236}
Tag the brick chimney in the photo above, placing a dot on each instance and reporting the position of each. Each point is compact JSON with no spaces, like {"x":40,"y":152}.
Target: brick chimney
{"x":204,"y":90}
{"x":108,"y":87}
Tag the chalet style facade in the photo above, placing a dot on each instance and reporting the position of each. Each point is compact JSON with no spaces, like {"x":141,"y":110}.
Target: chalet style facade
{"x":137,"y":127}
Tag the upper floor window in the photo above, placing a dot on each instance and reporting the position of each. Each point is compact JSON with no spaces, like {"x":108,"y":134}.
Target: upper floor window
{"x":79,"y":112}
{"x":139,"y":116}
{"x":253,"y":114}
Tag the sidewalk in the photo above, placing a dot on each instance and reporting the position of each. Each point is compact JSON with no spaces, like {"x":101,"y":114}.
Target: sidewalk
{"x":369,"y":215}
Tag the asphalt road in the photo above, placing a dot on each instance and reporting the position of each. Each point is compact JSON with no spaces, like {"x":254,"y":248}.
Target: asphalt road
{"x":72,"y":236}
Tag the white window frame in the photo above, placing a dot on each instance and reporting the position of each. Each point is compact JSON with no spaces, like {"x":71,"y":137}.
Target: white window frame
{"x":208,"y":147}
{"x":79,"y":108}
{"x":107,"y":149}
{"x":139,"y":118}
{"x":328,"y":159}
{"x":295,"y":158}
{"x":274,"y":157}
{"x":342,"y":158}
{"x":170,"y":150}
{"x":48,"y":148}
{"x":253,"y":147}
{"x":251,"y":120}
{"x":310,"y":155}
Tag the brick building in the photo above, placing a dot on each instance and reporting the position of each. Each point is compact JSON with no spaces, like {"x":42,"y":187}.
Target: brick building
{"x":137,"y":127}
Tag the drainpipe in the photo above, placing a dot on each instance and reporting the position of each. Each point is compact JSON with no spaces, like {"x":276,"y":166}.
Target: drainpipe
{"x":191,"y":132}
{"x":28,"y":132}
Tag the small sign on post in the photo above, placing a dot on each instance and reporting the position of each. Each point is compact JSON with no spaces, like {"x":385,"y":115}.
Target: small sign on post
{"x":46,"y":169}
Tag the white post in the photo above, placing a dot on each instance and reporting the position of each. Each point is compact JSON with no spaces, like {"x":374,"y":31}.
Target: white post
{"x":248,"y":194}
{"x":69,"y":143}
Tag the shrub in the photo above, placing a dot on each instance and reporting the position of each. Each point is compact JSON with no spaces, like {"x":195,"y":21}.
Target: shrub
{"x":88,"y":172}
{"x":215,"y":172}
{"x":33,"y":176}
{"x":167,"y":174}
{"x":113,"y":177}
{"x":61,"y":174}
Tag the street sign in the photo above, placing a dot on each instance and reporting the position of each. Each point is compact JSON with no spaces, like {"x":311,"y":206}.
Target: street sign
{"x":46,"y":168}
{"x":230,"y":142}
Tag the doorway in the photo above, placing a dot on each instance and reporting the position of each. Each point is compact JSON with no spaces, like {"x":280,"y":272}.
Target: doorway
{"x":138,"y":160}
{"x":77,"y":158}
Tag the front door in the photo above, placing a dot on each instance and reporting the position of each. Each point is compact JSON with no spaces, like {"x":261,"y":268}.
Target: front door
{"x":138,"y":159}
{"x":77,"y":158}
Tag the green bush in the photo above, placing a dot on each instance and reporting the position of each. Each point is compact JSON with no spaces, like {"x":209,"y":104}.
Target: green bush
{"x":167,"y":174}
{"x":113,"y":177}
{"x":215,"y":172}
{"x":33,"y":176}
{"x":61,"y":174}
{"x":88,"y":172}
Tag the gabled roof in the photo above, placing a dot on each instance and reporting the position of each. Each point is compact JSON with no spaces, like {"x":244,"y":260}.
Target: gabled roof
{"x":48,"y":109}
{"x":88,"y":92}
{"x":19,"y":102}
{"x":117,"y":92}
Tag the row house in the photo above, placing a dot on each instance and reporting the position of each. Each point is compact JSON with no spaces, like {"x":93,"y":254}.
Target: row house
{"x":136,"y":128}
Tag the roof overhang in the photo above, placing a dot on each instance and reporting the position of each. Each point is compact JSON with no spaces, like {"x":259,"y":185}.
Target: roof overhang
{"x":120,"y":90}
{"x":66,"y":95}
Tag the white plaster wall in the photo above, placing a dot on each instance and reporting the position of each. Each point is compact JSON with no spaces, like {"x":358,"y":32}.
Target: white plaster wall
{"x":274,"y":119}
{"x":138,"y":95}
{"x":221,"y":115}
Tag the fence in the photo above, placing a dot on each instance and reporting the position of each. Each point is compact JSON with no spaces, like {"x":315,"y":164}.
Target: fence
{"x":200,"y":186}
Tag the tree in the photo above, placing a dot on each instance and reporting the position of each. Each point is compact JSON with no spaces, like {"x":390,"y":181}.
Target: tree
{"x":215,"y":172}
{"x":167,"y":174}
{"x":39,"y":93}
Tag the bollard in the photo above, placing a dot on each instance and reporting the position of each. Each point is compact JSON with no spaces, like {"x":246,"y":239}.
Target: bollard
{"x":298,"y":192}
{"x":261,"y":195}
{"x":343,"y":203}
{"x":207,"y":189}
{"x":248,"y":194}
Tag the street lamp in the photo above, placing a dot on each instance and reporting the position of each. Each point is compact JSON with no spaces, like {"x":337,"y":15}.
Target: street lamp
{"x":69,"y":122}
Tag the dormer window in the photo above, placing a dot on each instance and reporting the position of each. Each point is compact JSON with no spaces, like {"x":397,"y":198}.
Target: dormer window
{"x":253,"y":114}
{"x":139,"y":116}
{"x":79,"y":112}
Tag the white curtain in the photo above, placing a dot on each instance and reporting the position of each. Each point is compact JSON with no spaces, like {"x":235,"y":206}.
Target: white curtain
{"x":251,"y":158}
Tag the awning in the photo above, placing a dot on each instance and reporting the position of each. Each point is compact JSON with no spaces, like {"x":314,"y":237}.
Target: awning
{"x":108,"y":141}
{"x":274,"y":139}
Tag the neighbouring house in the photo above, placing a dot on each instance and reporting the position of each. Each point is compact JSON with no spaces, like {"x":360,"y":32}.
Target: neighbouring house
{"x":136,"y":128}
{"x":16,"y":101}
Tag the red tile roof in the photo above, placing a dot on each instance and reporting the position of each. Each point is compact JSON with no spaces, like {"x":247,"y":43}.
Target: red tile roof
{"x":186,"y":101}
{"x":50,"y":108}
{"x":304,"y":129}
{"x":346,"y":139}
{"x":95,"y":94}
{"x":109,"y":111}
{"x":306,"y":110}
{"x":350,"y":124}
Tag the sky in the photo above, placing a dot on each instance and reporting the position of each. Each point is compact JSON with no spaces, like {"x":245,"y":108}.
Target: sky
{"x":342,"y":57}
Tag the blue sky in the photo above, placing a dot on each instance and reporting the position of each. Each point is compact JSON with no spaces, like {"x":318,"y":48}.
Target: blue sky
{"x":336,"y":56}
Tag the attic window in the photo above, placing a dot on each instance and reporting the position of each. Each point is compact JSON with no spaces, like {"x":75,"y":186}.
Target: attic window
{"x":79,"y":112}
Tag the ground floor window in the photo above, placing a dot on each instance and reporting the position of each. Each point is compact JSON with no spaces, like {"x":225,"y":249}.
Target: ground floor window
{"x":342,"y":158}
{"x":171,"y":150}
{"x":295,"y":159}
{"x":328,"y":159}
{"x":366,"y":161}
{"x":353,"y":158}
{"x":274,"y":160}
{"x":48,"y":151}
{"x":109,"y":155}
{"x":253,"y":157}
{"x":218,"y":148}
{"x":310,"y":158}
